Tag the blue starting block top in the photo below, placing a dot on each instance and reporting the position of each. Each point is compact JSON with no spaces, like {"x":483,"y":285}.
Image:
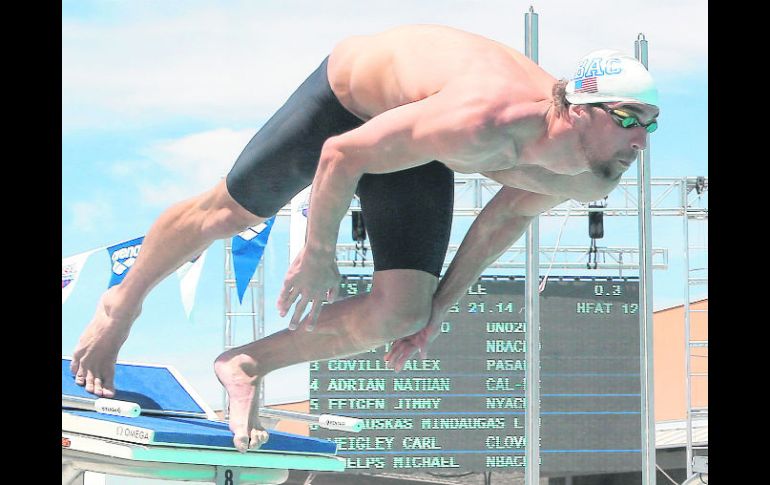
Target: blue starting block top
{"x":152,"y":387}
{"x":160,"y":389}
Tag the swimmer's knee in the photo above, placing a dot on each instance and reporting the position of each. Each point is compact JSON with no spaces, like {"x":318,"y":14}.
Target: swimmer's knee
{"x":402,"y":301}
{"x":222,"y":215}
{"x":411,"y":323}
{"x":400,"y":318}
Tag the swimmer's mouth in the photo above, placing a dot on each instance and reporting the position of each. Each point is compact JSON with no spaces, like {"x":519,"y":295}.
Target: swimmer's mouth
{"x":625,"y":163}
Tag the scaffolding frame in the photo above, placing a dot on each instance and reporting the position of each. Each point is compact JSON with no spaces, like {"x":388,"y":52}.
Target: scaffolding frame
{"x":693,"y":194}
{"x":685,"y":197}
{"x":565,"y":257}
{"x":645,"y":209}
{"x":472,"y":192}
{"x":254,"y":313}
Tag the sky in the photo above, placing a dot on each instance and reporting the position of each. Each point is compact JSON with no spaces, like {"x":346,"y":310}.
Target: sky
{"x":159,"y":98}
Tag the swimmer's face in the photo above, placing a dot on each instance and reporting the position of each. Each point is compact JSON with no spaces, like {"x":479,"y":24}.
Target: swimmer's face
{"x":617,"y":134}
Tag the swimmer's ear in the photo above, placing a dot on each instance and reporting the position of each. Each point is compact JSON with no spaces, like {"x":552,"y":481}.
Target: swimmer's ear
{"x":578,"y":112}
{"x":579,"y":109}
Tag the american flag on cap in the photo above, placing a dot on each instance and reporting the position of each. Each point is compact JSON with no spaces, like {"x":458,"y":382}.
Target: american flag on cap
{"x":586,"y":85}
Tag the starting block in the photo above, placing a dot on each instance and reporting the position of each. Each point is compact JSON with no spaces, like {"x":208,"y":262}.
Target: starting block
{"x":177,"y":436}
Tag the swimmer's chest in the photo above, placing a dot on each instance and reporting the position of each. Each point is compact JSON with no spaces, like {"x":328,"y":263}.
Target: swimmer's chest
{"x":481,"y":152}
{"x":583,"y":187}
{"x":495,"y":153}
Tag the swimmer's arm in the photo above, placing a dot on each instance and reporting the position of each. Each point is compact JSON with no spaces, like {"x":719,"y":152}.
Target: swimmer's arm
{"x":435,"y":128}
{"x":501,"y":223}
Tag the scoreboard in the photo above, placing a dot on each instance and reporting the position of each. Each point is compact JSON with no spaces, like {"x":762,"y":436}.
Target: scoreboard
{"x":462,"y":408}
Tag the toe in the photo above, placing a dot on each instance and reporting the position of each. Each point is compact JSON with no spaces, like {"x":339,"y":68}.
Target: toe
{"x":103,"y":389}
{"x":108,"y":387}
{"x":74,"y":366}
{"x":90,"y":382}
{"x":98,"y":387}
{"x":258,"y":438}
{"x":241,"y":443}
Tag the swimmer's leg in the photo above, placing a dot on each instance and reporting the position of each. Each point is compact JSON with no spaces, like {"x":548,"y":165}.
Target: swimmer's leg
{"x":181,"y":232}
{"x":398,"y":305}
{"x":408,"y":215}
{"x":278,"y":162}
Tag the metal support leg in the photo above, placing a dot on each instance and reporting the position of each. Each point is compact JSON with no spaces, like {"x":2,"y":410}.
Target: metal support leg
{"x":532,"y":308}
{"x":645,"y":303}
{"x":70,"y":475}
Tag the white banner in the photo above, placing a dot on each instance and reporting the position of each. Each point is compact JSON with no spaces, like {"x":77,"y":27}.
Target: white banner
{"x":70,"y":272}
{"x":189,"y":275}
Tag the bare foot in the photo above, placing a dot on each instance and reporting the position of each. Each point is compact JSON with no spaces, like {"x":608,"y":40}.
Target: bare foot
{"x":93,"y":361}
{"x":238,"y":374}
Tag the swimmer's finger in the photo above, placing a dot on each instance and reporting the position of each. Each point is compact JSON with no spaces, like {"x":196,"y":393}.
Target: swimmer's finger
{"x":291,"y":297}
{"x":315,"y":310}
{"x":394,"y":357}
{"x":398,"y":351}
{"x":405,"y":356}
{"x":287,"y":285}
{"x":299,"y":309}
{"x":396,"y":346}
{"x":390,"y":353}
{"x":283,"y":297}
{"x":424,"y":352}
{"x":388,"y":359}
{"x":401,"y":345}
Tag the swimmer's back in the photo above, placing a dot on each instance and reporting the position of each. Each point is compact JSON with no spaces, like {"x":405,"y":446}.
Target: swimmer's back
{"x":371,"y":74}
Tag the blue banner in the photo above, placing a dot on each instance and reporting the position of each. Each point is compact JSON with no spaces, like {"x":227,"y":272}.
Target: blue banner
{"x":248,"y":248}
{"x":122,"y":257}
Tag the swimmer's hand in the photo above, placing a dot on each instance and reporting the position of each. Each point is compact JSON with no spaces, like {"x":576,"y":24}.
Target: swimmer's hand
{"x":404,"y":348}
{"x":94,"y":358}
{"x":314,"y":276}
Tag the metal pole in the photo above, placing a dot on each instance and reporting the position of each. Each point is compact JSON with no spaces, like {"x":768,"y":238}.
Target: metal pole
{"x":688,"y":397}
{"x":261,"y":316}
{"x":532,"y":309}
{"x":226,"y":342}
{"x":645,"y":301}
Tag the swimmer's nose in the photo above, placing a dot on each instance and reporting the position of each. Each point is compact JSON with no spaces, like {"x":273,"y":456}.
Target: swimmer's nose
{"x":639,"y":141}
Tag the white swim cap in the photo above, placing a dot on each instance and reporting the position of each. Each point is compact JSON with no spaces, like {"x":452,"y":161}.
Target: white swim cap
{"x":607,"y":75}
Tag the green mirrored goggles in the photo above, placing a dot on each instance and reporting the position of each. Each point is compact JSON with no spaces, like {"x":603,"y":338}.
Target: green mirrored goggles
{"x":627,"y":120}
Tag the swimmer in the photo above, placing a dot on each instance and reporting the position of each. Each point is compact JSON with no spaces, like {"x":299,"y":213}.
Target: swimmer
{"x":390,"y":117}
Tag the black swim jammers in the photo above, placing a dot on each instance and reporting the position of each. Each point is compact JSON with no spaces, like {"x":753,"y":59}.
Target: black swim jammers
{"x":408,"y":214}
